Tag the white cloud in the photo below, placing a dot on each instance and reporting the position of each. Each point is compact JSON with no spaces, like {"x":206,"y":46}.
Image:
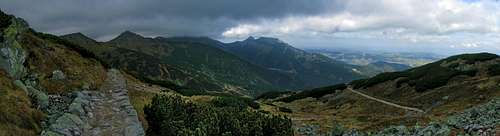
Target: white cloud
{"x":410,"y":20}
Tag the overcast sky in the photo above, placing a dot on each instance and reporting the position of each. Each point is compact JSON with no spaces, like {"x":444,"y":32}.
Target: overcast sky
{"x":439,"y":26}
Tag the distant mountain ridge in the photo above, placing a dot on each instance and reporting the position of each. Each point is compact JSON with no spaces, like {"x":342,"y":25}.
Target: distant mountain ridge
{"x":364,"y":58}
{"x":283,"y":67}
{"x":314,"y":69}
{"x":195,"y":58}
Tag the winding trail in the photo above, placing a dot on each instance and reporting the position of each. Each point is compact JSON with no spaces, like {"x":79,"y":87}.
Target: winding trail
{"x":384,"y":102}
{"x":112,"y":114}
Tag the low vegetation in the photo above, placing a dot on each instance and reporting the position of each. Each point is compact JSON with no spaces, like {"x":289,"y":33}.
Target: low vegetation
{"x":494,"y":70}
{"x":4,"y":20}
{"x":315,"y":93}
{"x":172,"y":115}
{"x":46,"y":56}
{"x":235,"y":101}
{"x":481,"y":120}
{"x":18,"y":116}
{"x":472,"y":58}
{"x":429,"y":76}
{"x":285,"y":109}
{"x":55,"y":39}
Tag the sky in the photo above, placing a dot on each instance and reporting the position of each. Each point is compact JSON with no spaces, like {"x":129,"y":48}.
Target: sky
{"x":437,"y":26}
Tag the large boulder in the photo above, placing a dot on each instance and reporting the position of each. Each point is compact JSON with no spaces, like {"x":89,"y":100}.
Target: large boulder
{"x":68,"y":124}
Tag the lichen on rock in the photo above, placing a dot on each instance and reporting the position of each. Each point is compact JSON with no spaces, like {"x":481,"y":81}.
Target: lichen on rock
{"x":12,"y":55}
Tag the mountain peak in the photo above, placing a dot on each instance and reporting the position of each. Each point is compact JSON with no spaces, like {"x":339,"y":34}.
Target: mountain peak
{"x":250,"y":38}
{"x":269,"y":39}
{"x":79,"y":36}
{"x":266,"y":40}
{"x":127,"y":35}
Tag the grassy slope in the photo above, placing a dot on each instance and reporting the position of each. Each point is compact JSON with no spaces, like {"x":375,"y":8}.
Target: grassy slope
{"x":459,"y":93}
{"x":45,"y":56}
{"x":17,"y":115}
{"x":205,"y":66}
{"x":143,"y":65}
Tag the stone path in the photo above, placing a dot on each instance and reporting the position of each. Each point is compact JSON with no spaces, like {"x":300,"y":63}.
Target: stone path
{"x":112,"y":114}
{"x":106,"y":112}
{"x":384,"y":102}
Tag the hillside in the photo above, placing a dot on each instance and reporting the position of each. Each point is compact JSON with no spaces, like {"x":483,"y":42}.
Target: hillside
{"x":141,"y":65}
{"x":39,"y":73}
{"x":187,"y":62}
{"x":440,"y":89}
{"x":378,"y":67}
{"x":314,"y":69}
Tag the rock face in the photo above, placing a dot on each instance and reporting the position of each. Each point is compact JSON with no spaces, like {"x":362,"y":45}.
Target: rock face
{"x":12,"y":56}
{"x":105,"y":112}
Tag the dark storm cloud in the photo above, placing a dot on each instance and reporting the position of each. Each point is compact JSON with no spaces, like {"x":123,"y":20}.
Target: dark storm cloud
{"x":103,"y":19}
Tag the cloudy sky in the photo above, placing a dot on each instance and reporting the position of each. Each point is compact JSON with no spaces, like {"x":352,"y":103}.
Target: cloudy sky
{"x":439,"y":26}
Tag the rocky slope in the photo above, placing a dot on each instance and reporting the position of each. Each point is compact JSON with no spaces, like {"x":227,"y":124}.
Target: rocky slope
{"x":50,"y":81}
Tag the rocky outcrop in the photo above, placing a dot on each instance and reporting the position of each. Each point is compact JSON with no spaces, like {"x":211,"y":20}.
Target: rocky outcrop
{"x":58,"y":75}
{"x":12,"y":56}
{"x":69,"y":119}
{"x":480,"y":120}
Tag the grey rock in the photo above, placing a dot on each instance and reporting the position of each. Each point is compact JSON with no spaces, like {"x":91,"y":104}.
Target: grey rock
{"x":21,"y":85}
{"x":42,"y":99}
{"x":58,"y":75}
{"x":68,"y":124}
{"x":77,"y":109}
{"x":12,"y":55}
{"x":134,"y":130}
{"x":50,"y":133}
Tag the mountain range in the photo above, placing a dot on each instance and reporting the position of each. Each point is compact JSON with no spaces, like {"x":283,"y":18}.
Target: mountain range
{"x":248,"y":67}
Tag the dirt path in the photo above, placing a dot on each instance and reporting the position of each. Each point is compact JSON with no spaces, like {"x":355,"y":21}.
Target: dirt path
{"x":112,"y":114}
{"x":384,"y":102}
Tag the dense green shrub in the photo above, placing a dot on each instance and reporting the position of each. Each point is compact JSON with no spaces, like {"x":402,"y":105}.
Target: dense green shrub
{"x":429,"y":76}
{"x":315,"y":93}
{"x":285,"y":109}
{"x":472,"y":58}
{"x":234,"y":101}
{"x":171,"y":116}
{"x":377,"y":79}
{"x":494,"y":70}
{"x":4,"y":20}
